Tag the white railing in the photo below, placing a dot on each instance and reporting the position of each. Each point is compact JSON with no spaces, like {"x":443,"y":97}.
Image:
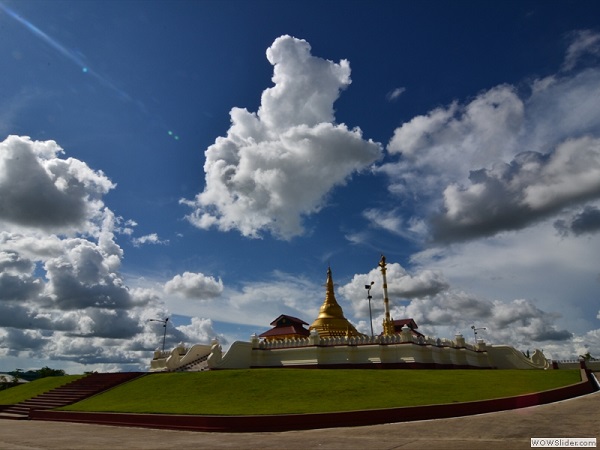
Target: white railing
{"x":333,"y":341}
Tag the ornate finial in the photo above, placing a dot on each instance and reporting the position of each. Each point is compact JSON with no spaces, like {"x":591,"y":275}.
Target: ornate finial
{"x":388,"y":326}
{"x":329,"y":286}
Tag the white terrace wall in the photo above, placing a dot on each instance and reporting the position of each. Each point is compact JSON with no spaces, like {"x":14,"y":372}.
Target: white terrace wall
{"x":356,"y":351}
{"x":506,"y":357}
{"x":403,"y":348}
{"x":575,"y":364}
{"x":369,"y":354}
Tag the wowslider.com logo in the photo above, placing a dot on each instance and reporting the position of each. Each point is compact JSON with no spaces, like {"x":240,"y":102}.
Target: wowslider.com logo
{"x":564,"y":442}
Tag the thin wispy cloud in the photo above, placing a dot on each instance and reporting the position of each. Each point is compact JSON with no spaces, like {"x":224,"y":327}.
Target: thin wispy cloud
{"x":394,"y":94}
{"x":151,"y":238}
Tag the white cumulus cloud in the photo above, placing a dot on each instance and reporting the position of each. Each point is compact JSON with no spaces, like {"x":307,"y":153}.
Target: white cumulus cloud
{"x":194,"y":286}
{"x":278,"y":165}
{"x":62,"y":295}
{"x":506,"y":159}
{"x":401,"y":285}
{"x":40,"y":190}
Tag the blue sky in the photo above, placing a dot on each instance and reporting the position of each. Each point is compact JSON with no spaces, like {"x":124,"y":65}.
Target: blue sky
{"x":208,"y":160}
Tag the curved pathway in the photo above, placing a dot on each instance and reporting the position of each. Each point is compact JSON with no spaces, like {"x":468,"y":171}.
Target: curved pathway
{"x":578,"y":417}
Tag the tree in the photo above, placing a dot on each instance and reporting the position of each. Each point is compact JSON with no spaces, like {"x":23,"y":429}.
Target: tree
{"x":48,"y":372}
{"x":10,"y":380}
{"x":588,"y":357}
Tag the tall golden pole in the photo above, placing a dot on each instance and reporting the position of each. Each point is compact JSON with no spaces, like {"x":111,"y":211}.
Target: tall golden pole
{"x":388,"y":326}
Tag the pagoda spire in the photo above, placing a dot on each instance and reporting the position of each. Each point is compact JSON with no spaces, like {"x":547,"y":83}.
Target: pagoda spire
{"x":331,"y":320}
{"x":330,"y":307}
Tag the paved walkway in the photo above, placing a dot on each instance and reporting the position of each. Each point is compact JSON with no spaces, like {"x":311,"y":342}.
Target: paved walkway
{"x":579,"y":417}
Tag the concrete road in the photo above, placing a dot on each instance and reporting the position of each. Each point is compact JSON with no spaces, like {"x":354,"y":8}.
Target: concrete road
{"x":579,"y":417}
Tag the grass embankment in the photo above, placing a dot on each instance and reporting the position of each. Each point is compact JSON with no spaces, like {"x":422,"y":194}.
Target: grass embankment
{"x":29,"y":390}
{"x":295,"y":391}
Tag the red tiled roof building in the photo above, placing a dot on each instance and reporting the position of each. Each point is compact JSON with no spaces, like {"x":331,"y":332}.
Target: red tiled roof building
{"x":286,"y":327}
{"x":410,"y":323}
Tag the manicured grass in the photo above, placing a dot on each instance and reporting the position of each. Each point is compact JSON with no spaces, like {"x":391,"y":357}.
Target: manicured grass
{"x":29,"y":390}
{"x":287,"y":391}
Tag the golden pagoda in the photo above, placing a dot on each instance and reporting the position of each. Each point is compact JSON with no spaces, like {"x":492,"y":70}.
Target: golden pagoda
{"x":331,"y":320}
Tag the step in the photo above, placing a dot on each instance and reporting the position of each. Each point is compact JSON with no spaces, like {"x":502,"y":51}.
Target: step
{"x":69,"y":393}
{"x":51,"y":401}
{"x":21,"y":411}
{"x":65,"y":394}
{"x":74,"y":391}
{"x":43,"y":401}
{"x":62,"y":400}
{"x":45,"y":405}
{"x":9,"y":416}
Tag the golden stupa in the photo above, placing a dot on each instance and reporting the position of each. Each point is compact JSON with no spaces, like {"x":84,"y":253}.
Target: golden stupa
{"x":331,"y":320}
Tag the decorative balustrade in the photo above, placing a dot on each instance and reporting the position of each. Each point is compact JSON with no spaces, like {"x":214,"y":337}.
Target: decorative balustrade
{"x":315,"y":340}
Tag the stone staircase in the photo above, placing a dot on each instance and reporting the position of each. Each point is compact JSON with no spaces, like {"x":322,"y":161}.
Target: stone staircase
{"x":69,"y":393}
{"x":198,"y":365}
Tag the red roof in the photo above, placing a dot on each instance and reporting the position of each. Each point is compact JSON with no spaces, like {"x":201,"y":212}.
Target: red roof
{"x":283,"y":331}
{"x":286,"y":325}
{"x":285,"y":319}
{"x":410,"y":323}
{"x":401,"y":322}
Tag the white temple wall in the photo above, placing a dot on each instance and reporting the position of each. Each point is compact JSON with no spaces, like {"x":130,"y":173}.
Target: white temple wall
{"x":239,"y":356}
{"x":365,"y":355}
{"x":459,"y":357}
{"x":440,"y":355}
{"x":360,"y":351}
{"x":424,"y":354}
{"x":575,"y":364}
{"x":506,"y":357}
{"x":478,"y":359}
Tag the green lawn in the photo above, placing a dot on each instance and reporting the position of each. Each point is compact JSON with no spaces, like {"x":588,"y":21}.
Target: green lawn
{"x":28,"y":390}
{"x":281,"y":391}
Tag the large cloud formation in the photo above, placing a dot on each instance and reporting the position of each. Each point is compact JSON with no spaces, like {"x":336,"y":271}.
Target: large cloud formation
{"x":61,"y":293}
{"x":511,"y":196}
{"x":40,"y":190}
{"x":277,"y":165}
{"x":440,"y":309}
{"x":508,"y":158}
{"x":401,"y":285}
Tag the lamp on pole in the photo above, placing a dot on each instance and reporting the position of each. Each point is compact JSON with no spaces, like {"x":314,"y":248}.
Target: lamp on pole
{"x":369,"y":297}
{"x":475,"y":330}
{"x":164,"y":322}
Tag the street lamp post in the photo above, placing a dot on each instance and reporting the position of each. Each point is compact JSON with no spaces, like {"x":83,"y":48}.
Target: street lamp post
{"x":369,"y":297}
{"x":164,"y":322}
{"x":475,"y":330}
